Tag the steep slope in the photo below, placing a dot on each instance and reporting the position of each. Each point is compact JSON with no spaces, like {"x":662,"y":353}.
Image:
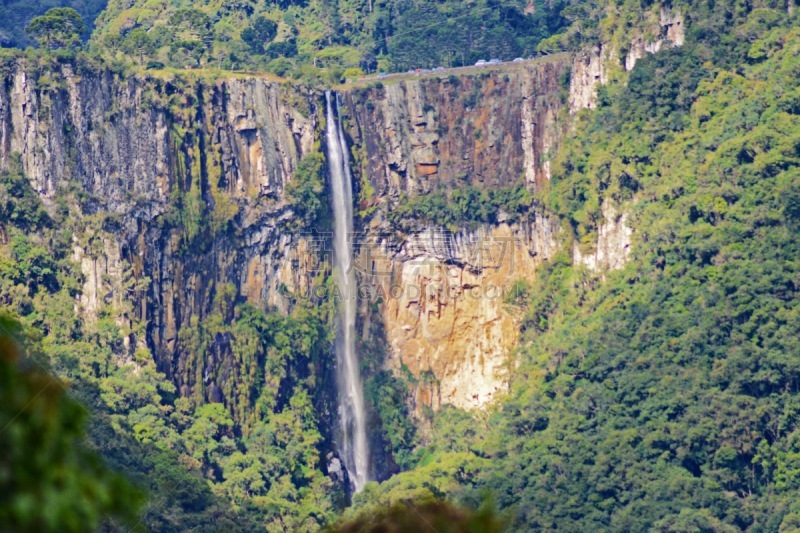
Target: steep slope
{"x":167,"y":235}
{"x":441,"y":285}
{"x":662,"y":396}
{"x":145,"y":224}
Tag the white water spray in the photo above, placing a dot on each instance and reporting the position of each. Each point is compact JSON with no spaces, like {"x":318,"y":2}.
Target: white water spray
{"x":354,"y":449}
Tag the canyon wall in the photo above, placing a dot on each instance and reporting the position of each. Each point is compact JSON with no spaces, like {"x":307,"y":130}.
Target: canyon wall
{"x":181,"y":188}
{"x":489,"y":128}
{"x":180,"y":185}
{"x":440,"y":292}
{"x":440,"y":299}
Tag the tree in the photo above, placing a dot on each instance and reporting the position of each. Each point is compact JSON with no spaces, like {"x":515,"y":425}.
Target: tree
{"x":259,"y":34}
{"x":192,"y":21}
{"x":60,"y":27}
{"x":193,"y":37}
{"x":368,"y":63}
{"x":139,"y":43}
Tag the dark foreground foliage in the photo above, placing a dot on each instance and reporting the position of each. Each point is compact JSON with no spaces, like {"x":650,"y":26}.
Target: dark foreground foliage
{"x":49,"y":479}
{"x":434,"y":516}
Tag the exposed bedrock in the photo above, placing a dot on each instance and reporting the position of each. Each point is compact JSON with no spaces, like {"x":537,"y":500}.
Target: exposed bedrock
{"x":183,"y":197}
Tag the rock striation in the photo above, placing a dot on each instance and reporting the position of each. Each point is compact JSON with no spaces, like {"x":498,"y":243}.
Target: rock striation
{"x":611,"y":248}
{"x":440,"y":292}
{"x":139,"y":149}
{"x":668,"y":32}
{"x":442,"y":298}
{"x":487,"y":128}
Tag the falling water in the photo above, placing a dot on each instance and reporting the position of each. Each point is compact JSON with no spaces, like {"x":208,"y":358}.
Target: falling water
{"x":351,"y":400}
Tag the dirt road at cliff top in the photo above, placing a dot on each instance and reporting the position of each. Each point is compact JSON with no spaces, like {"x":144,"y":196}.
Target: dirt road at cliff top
{"x":455,"y":71}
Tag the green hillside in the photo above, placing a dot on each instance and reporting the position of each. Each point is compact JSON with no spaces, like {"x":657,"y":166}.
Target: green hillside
{"x":16,"y":14}
{"x":300,"y":37}
{"x":664,"y":397}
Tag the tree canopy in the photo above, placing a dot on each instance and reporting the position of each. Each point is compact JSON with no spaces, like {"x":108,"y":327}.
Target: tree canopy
{"x":60,"y":27}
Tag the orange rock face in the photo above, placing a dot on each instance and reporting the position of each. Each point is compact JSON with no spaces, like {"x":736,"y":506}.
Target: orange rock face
{"x":427,"y":169}
{"x":444,"y":312}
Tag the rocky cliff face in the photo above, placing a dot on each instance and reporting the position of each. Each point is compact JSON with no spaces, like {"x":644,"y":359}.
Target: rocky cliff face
{"x":668,"y":31}
{"x":612,"y":246}
{"x":490,"y":128}
{"x":440,"y":292}
{"x":182,"y":199}
{"x":123,"y":141}
{"x":441,"y":299}
{"x":589,"y":70}
{"x":145,"y":151}
{"x":660,"y":28}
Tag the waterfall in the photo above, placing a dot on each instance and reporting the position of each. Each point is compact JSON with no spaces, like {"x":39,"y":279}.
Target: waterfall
{"x":353,"y":446}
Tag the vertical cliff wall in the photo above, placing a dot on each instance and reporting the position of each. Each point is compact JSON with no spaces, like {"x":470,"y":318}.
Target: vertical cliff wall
{"x":438,"y":292}
{"x":440,"y":297}
{"x":180,"y":186}
{"x":490,"y":127}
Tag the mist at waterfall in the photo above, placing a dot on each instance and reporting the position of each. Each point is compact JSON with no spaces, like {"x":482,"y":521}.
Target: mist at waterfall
{"x":353,"y":446}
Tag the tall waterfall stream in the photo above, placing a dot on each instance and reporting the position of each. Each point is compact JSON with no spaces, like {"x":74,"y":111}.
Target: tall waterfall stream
{"x":352,"y":416}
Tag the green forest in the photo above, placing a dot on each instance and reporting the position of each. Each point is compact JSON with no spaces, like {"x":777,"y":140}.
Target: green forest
{"x":660,"y":397}
{"x":346,"y":38}
{"x":310,"y":40}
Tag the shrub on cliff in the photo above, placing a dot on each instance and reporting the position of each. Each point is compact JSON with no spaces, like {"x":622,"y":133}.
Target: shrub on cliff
{"x":306,"y":191}
{"x":464,"y":207}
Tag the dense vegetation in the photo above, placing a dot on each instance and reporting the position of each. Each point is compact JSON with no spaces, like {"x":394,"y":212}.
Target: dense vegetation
{"x":436,"y":516}
{"x":45,"y":464}
{"x":665,"y":396}
{"x":463,"y":207}
{"x":348,"y":37}
{"x":312,"y":39}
